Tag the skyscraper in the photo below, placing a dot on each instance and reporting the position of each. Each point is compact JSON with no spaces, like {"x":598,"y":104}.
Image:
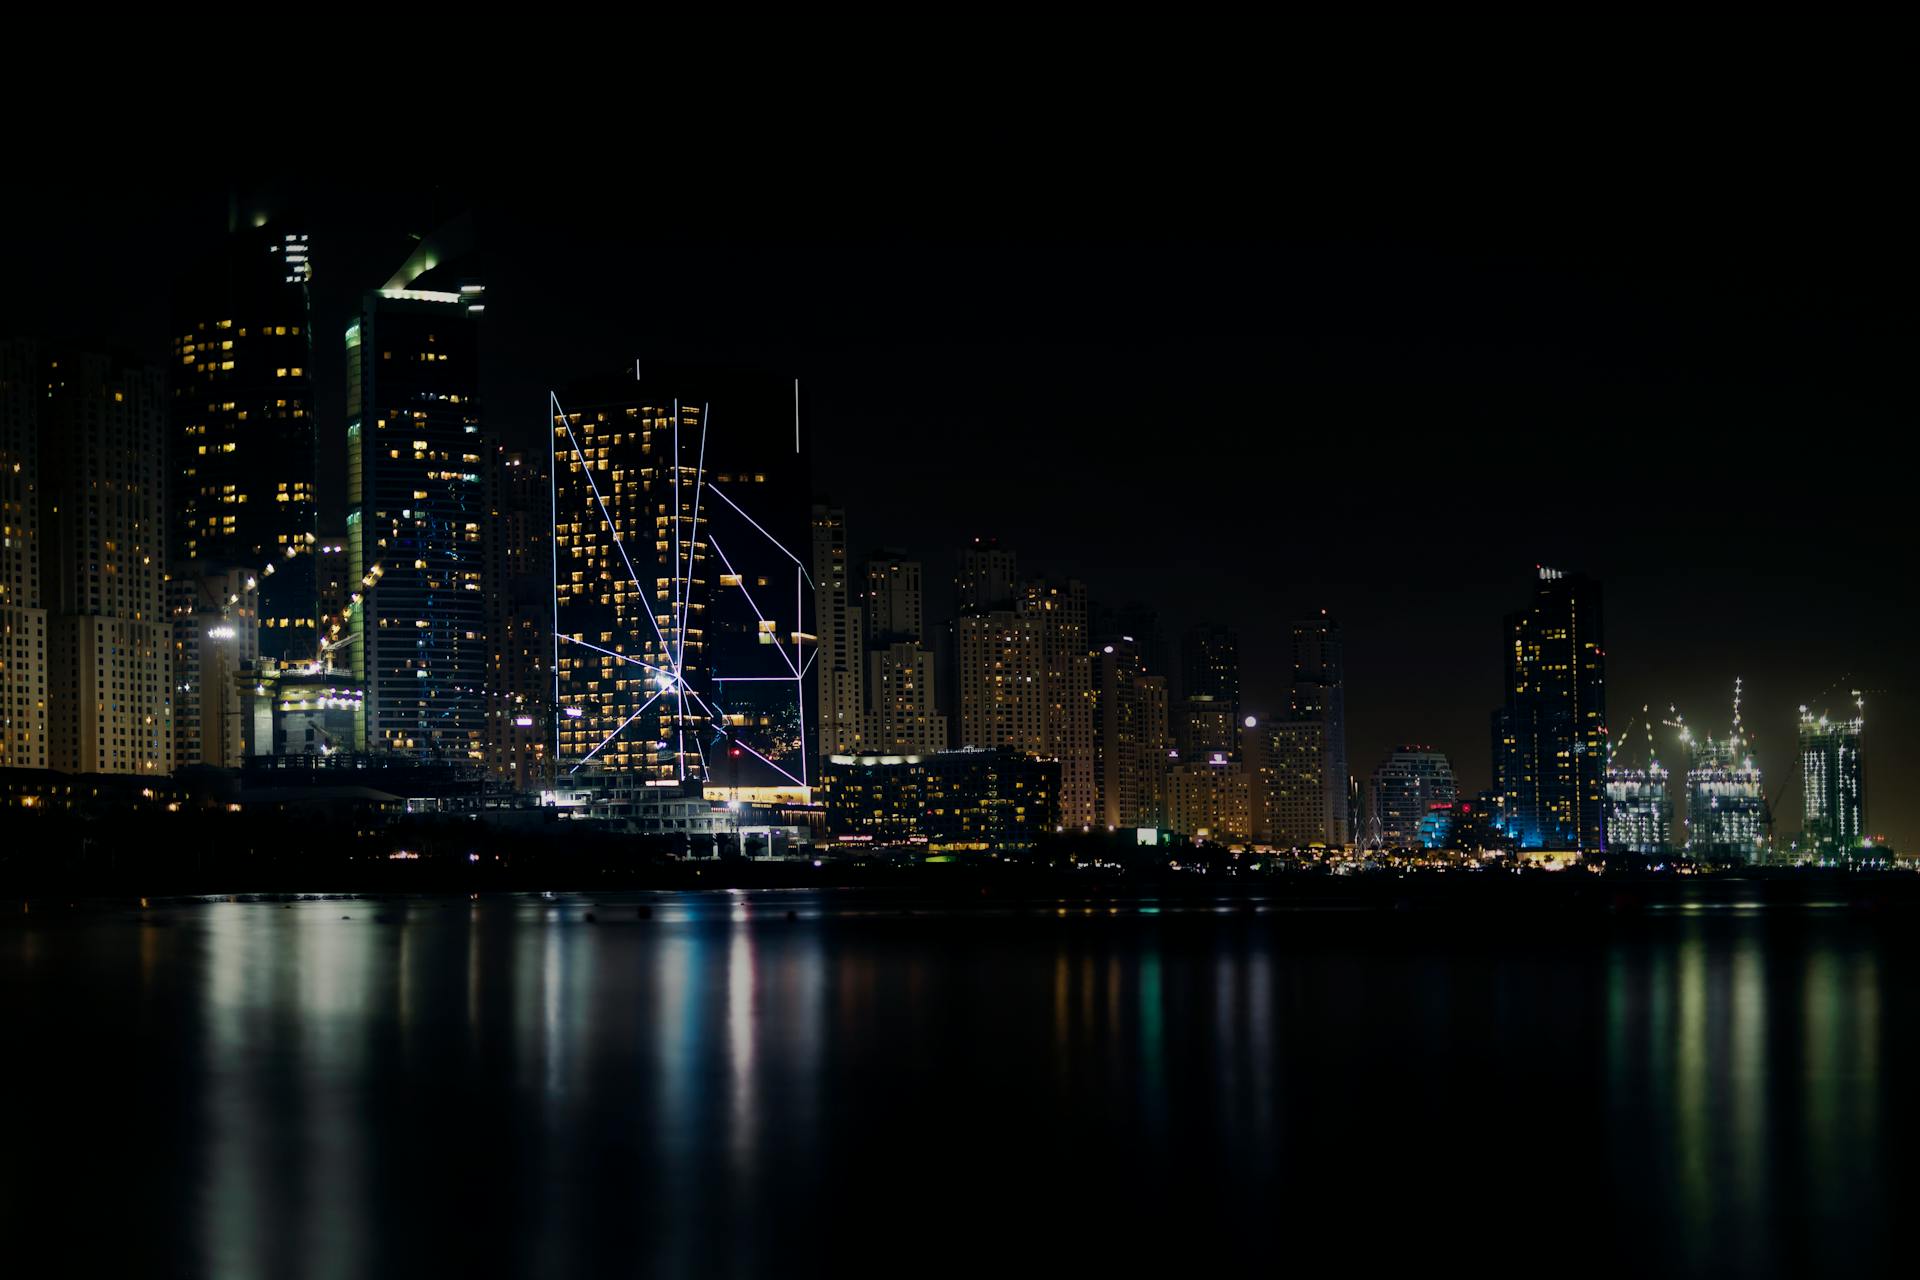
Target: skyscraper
{"x":102,"y":539}
{"x":840,"y":661}
{"x":1834,"y":807}
{"x":1550,"y":737}
{"x":988,"y":577}
{"x":1320,"y":695}
{"x":23,"y":614}
{"x":1130,"y":740}
{"x":1210,"y":666}
{"x":1210,"y":799}
{"x":243,"y":433}
{"x":1408,"y":784}
{"x":1000,"y":658}
{"x":894,"y":607}
{"x":216,"y":644}
{"x":416,"y":501}
{"x":519,"y":735}
{"x":901,"y":715}
{"x":1727,"y":816}
{"x":1286,"y":766}
{"x":1062,"y":613}
{"x":684,"y":622}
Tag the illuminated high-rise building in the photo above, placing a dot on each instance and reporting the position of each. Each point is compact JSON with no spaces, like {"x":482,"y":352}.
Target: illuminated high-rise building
{"x":1205,"y":726}
{"x":901,"y":715}
{"x":102,"y":539}
{"x":1210,"y":666}
{"x":1639,"y":810}
{"x":989,"y":577}
{"x":681,"y":503}
{"x":1319,"y":694}
{"x":1000,"y":657}
{"x":1834,"y":807}
{"x":1131,"y":741}
{"x":243,"y":431}
{"x":894,"y":608}
{"x":416,"y":503}
{"x":1406,"y":786}
{"x":1286,"y":764}
{"x":216,"y":644}
{"x":840,"y":661}
{"x":1639,"y":807}
{"x":1550,"y":738}
{"x":1211,"y":799}
{"x":519,"y":737}
{"x":23,"y":614}
{"x":1061,"y":611}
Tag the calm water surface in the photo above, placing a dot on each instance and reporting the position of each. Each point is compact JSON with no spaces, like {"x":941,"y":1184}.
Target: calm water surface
{"x":446,"y":1087}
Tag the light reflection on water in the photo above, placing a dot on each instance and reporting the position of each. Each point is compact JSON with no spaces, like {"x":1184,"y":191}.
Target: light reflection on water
{"x":715,"y":1088}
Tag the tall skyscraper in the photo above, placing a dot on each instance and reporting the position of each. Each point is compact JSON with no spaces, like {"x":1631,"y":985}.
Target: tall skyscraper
{"x":1834,"y":807}
{"x":23,"y":614}
{"x":1639,"y":807}
{"x":102,"y":539}
{"x":901,"y":715}
{"x":1001,"y":661}
{"x":681,"y":507}
{"x":1408,"y":784}
{"x":1286,"y":766}
{"x":1206,"y":726}
{"x":243,"y":431}
{"x":988,"y":579}
{"x":1210,"y":799}
{"x":1210,"y":666}
{"x":1137,"y":625}
{"x":416,"y":502}
{"x":840,"y":661}
{"x":1550,"y":738}
{"x":894,"y":608}
{"x":519,"y":735}
{"x":1062,"y":614}
{"x":1131,"y":740}
{"x":1320,"y":694}
{"x":216,"y":644}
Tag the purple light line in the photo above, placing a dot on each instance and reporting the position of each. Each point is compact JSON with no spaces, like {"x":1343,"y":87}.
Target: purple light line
{"x":617,"y":732}
{"x":756,"y":524}
{"x":799,"y":688}
{"x":770,"y":764}
{"x":699,"y":474}
{"x":587,"y":468}
{"x":721,"y":552}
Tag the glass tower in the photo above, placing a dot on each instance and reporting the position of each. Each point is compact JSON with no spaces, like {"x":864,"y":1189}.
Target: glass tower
{"x":1550,"y":739}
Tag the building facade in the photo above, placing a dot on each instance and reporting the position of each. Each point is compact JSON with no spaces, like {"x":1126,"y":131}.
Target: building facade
{"x":211,"y":610}
{"x":961,"y":801}
{"x":1833,"y":795}
{"x":519,"y":737}
{"x":1406,"y":786}
{"x":1286,"y":764}
{"x":1131,"y":740}
{"x":1319,"y":693}
{"x":1211,"y":800}
{"x":23,"y":614}
{"x":102,"y":540}
{"x":840,"y":660}
{"x":245,"y":487}
{"x":416,"y":501}
{"x":1550,"y":738}
{"x":684,"y":618}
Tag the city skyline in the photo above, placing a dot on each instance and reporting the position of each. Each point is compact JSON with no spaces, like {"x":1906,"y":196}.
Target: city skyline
{"x":1420,"y":645}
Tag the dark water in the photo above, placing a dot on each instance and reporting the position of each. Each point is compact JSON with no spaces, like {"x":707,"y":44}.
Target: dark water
{"x":445,"y":1087}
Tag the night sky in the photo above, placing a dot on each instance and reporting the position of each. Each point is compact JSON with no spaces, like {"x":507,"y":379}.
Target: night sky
{"x":1240,"y":401}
